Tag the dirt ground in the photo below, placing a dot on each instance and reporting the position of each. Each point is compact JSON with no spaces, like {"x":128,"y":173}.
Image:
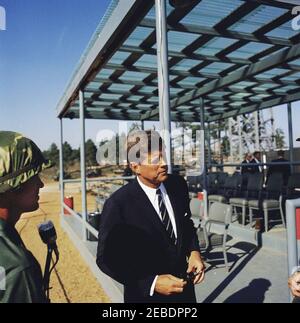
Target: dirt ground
{"x":71,"y":281}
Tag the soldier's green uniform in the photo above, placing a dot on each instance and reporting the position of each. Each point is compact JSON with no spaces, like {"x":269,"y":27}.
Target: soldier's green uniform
{"x":23,"y":276}
{"x":20,"y":160}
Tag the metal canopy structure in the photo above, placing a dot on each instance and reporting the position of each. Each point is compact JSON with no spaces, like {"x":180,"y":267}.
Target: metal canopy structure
{"x":214,"y":59}
{"x":239,"y":56}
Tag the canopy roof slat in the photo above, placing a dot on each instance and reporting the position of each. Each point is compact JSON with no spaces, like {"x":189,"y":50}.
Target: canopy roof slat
{"x":238,"y":55}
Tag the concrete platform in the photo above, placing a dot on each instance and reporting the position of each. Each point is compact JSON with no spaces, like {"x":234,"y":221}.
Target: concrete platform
{"x":257,"y":275}
{"x":258,"y":266}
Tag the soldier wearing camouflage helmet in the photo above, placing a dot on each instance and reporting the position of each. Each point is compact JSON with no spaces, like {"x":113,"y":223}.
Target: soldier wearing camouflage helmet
{"x":21,"y":161}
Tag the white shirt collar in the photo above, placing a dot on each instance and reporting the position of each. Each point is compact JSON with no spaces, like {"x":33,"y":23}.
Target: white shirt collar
{"x":151,"y":192}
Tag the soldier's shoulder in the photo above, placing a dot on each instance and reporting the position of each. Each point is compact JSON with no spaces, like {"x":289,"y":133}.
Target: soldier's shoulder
{"x":12,"y":257}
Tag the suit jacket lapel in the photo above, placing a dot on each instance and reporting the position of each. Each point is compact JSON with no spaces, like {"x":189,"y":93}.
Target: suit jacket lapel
{"x":150,"y":212}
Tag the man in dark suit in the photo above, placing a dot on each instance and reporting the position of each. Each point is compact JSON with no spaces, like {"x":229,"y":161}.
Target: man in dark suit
{"x":147,"y":240}
{"x":247,"y":162}
{"x":285,"y":170}
{"x":256,"y":160}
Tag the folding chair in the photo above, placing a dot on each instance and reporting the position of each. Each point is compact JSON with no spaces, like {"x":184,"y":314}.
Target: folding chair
{"x":219,"y":213}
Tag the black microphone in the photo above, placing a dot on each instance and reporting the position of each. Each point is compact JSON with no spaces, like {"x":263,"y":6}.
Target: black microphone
{"x":48,"y":235}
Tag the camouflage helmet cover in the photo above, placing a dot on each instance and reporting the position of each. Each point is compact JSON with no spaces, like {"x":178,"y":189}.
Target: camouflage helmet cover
{"x":20,"y":160}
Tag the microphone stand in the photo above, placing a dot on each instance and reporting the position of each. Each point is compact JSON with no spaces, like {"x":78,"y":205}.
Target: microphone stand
{"x":47,"y":272}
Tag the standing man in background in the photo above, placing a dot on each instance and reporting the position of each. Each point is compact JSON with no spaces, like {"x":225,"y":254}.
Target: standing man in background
{"x":246,"y":169}
{"x":256,"y":160}
{"x":285,"y":170}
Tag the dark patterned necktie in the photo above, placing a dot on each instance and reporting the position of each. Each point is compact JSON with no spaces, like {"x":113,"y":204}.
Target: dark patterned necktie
{"x":165,"y":217}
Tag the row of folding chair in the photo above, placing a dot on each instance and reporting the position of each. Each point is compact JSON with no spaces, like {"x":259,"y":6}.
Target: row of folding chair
{"x":215,"y":182}
{"x":248,"y":192}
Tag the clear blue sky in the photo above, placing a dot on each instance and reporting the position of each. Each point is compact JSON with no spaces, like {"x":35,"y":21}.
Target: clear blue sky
{"x":38,"y":54}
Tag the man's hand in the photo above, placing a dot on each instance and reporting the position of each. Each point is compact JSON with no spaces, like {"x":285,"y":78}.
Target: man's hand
{"x":197,"y":266}
{"x":294,"y":284}
{"x":169,"y":285}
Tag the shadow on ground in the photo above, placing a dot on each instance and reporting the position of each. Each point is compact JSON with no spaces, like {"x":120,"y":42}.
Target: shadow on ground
{"x":253,"y":293}
{"x":239,"y":255}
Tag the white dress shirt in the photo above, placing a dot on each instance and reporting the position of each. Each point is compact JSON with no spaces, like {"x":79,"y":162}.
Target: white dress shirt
{"x":152,"y":196}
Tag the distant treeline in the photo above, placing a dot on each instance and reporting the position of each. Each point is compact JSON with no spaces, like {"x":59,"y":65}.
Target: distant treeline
{"x":71,"y":156}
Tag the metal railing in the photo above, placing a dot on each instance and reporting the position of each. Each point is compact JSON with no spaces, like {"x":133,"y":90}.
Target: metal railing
{"x":82,"y":218}
{"x":104,"y":179}
{"x":252,"y":164}
{"x":92,"y":230}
